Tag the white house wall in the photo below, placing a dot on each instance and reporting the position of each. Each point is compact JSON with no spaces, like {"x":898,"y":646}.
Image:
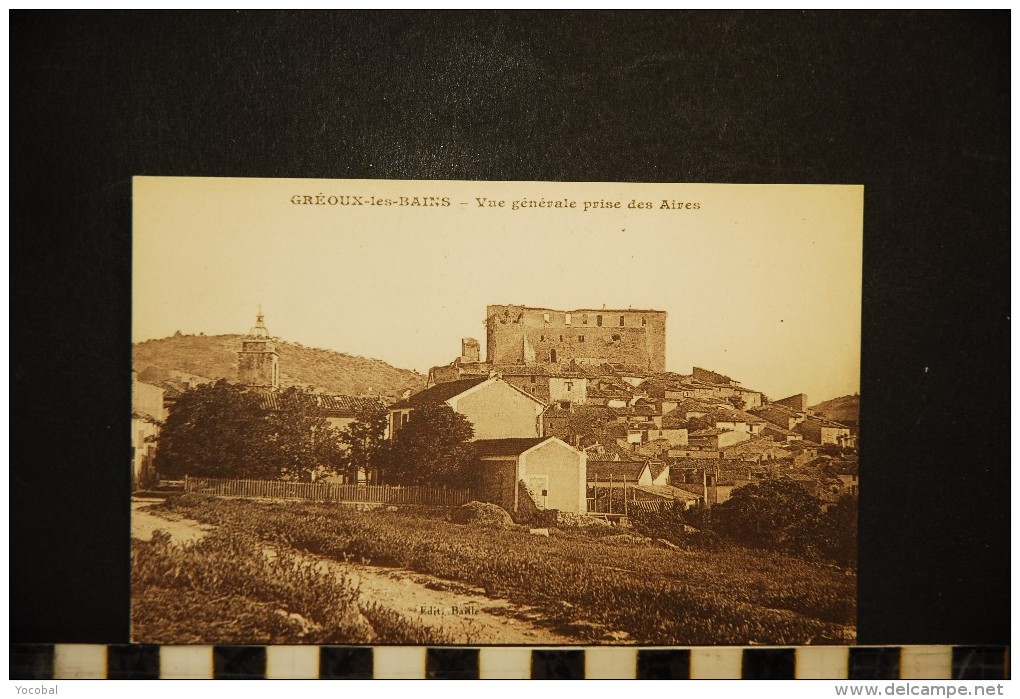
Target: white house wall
{"x":567,"y":471}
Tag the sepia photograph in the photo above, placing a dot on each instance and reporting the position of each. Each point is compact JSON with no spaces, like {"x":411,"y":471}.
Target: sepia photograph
{"x":494,"y":413}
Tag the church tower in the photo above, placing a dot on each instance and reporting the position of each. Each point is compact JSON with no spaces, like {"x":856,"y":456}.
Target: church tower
{"x":258,"y":364}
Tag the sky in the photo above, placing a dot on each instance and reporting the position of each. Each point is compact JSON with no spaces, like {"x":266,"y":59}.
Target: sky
{"x":760,"y":282}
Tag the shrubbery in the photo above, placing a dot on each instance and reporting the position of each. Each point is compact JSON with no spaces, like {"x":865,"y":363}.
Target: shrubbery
{"x":773,"y":514}
{"x":679,"y":526}
{"x":580,"y":584}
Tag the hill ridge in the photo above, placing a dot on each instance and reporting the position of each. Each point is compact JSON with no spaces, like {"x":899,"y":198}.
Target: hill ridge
{"x":212,"y":357}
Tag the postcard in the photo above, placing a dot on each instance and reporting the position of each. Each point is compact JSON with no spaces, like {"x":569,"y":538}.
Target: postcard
{"x":494,"y":413}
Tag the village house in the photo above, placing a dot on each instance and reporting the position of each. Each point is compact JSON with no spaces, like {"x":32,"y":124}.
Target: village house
{"x":652,"y":497}
{"x":797,"y":403}
{"x":715,"y":439}
{"x":338,"y":410}
{"x":674,"y":436}
{"x":779,"y":434}
{"x":494,"y":407}
{"x":544,"y":471}
{"x":826,"y":432}
{"x":781,"y":416}
{"x":703,"y":384}
{"x":714,"y":478}
{"x":553,"y":384}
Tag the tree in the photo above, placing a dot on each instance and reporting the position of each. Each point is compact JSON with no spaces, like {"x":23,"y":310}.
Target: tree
{"x":299,"y":442}
{"x":737,"y":401}
{"x":222,"y":431}
{"x":837,"y":531}
{"x":365,"y":441}
{"x":212,"y":430}
{"x":774,"y":513}
{"x":431,"y":449}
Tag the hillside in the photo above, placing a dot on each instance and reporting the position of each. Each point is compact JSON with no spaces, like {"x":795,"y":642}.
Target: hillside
{"x":208,"y":357}
{"x":845,"y":409}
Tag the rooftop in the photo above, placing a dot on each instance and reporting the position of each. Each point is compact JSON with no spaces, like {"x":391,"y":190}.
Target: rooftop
{"x":513,"y":446}
{"x":440,"y":393}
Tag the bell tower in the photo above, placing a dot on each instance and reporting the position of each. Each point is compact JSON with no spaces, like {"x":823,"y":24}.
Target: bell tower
{"x":258,"y":364}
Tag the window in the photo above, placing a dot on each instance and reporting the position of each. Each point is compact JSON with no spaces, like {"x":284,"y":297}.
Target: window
{"x":569,"y":385}
{"x":598,"y":321}
{"x":580,"y":338}
{"x":621,"y":321}
{"x":644,"y":322}
{"x":541,"y":338}
{"x":584,"y":319}
{"x":532,"y":378}
{"x":561,"y":338}
{"x":566,"y":319}
{"x":552,"y":356}
{"x":616,"y":337}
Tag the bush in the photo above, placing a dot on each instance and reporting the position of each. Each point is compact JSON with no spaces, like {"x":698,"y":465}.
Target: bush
{"x":775,"y":514}
{"x":836,"y":538}
{"x":484,"y":514}
{"x":676,"y":525}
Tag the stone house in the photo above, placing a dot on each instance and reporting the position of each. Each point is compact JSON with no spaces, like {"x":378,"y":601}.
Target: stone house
{"x":825,"y":432}
{"x":495,"y":408}
{"x":546,"y":471}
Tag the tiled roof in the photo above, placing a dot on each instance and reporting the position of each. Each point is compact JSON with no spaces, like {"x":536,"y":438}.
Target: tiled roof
{"x":773,"y":430}
{"x":729,"y":470}
{"x":824,"y":422}
{"x":513,"y":446}
{"x":604,"y":445}
{"x":440,"y":392}
{"x":708,"y":433}
{"x":713,"y":377}
{"x":644,"y":409}
{"x":522,"y":370}
{"x":728,"y":413}
{"x":349,"y":404}
{"x":170,"y":390}
{"x":778,"y":415}
{"x":327,"y":403}
{"x":615,"y":470}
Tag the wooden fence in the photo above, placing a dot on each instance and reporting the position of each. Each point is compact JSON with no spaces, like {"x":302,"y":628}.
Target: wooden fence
{"x":385,"y":494}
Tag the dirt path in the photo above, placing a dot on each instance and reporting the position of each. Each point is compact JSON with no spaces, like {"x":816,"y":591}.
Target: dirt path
{"x":144,"y":522}
{"x":463,"y":612}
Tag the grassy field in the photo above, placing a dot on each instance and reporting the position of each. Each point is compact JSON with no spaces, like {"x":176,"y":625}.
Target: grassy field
{"x":586,"y":585}
{"x":225,"y":589}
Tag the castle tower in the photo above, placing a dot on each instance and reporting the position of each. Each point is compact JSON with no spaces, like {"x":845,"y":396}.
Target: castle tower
{"x":258,"y":364}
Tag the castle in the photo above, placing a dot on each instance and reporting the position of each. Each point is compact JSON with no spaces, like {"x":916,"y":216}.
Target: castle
{"x":523,"y":335}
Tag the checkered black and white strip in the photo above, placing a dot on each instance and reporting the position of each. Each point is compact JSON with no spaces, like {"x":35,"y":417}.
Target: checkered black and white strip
{"x":69,"y":661}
